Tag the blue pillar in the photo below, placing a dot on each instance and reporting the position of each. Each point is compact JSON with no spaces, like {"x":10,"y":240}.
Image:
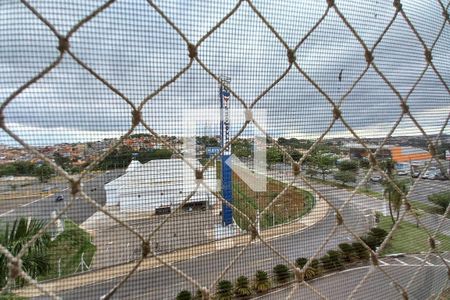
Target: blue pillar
{"x":227,"y":183}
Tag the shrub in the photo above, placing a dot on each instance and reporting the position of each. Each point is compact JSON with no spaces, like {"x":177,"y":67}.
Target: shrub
{"x":261,"y":283}
{"x":360,"y":251}
{"x":242,"y":289}
{"x":198,"y":295}
{"x":332,"y":260}
{"x":371,"y":241}
{"x":347,"y":252}
{"x":441,"y":199}
{"x":301,"y":262}
{"x":378,"y":233}
{"x":313,"y":269}
{"x":184,"y":295}
{"x":282,"y":273}
{"x":224,"y":290}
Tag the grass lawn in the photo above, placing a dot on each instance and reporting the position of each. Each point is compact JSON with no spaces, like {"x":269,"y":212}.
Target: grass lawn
{"x":69,"y":246}
{"x":427,"y":208}
{"x":410,"y":239}
{"x":293,"y":203}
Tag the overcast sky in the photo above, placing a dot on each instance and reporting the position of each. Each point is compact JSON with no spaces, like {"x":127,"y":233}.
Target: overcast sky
{"x":132,"y":47}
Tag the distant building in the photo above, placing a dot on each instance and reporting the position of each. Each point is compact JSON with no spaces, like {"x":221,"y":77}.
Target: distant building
{"x":160,"y":184}
{"x":403,"y":156}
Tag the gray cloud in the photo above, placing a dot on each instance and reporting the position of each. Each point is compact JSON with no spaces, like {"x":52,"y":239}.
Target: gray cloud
{"x":132,"y":47}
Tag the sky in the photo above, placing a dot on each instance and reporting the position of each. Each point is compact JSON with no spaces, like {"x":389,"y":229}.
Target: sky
{"x":134,"y":49}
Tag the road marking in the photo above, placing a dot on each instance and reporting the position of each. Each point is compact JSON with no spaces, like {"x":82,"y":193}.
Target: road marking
{"x":402,"y":262}
{"x":26,"y":204}
{"x":383,"y":263}
{"x":422,"y":260}
{"x":6,"y":213}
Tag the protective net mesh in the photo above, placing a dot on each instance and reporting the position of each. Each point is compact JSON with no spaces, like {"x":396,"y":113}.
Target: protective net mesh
{"x":94,"y":103}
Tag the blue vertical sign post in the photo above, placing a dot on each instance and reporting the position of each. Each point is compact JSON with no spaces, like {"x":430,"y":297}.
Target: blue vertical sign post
{"x":227,"y":188}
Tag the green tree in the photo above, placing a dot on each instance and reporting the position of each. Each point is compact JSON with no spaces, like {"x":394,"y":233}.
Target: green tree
{"x":261,"y":283}
{"x":63,"y":161}
{"x":394,"y":197}
{"x":345,"y":176}
{"x":224,"y":290}
{"x":323,"y":162}
{"x":35,"y":261}
{"x":281,"y":273}
{"x":184,"y":295}
{"x":8,"y":170}
{"x":295,"y":154}
{"x":43,"y":172}
{"x":242,"y":288}
{"x":274,"y":155}
{"x":348,"y":165}
{"x":441,"y":199}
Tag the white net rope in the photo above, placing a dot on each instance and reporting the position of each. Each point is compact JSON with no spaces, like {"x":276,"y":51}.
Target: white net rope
{"x":193,"y":49}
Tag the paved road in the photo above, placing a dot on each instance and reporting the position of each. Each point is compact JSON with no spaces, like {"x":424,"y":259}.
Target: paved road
{"x":78,"y":212}
{"x":427,"y":285}
{"x":162,"y":283}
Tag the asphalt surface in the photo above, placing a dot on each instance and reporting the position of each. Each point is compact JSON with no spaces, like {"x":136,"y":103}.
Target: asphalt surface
{"x":162,"y":283}
{"x":427,"y":284}
{"x":78,"y":212}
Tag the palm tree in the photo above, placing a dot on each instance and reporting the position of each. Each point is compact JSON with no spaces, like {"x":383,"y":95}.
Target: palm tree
{"x":394,"y":197}
{"x":310,"y":272}
{"x":242,"y":289}
{"x":34,"y":262}
{"x":224,"y":290}
{"x":282,"y":273}
{"x":261,"y":283}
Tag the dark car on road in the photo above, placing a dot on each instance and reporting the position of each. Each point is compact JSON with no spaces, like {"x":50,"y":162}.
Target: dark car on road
{"x":59,"y":198}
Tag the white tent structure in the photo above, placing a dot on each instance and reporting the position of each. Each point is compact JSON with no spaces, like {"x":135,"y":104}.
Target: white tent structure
{"x":158,"y":183}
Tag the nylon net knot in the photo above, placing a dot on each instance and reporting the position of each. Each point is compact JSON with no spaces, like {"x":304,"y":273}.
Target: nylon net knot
{"x":145,"y":249}
{"x":330,"y":3}
{"x":369,"y":57}
{"x":2,"y":119}
{"x":445,"y":15}
{"x":136,"y":118}
{"x":432,"y":149}
{"x":336,"y":113}
{"x":339,"y":219}
{"x":14,"y":266}
{"x":299,"y":275}
{"x":198,"y":175}
{"x":407,"y":205}
{"x":205,"y":293}
{"x":405,"y":295}
{"x":63,"y":44}
{"x":374,"y":259}
{"x":428,"y":56}
{"x":248,"y":115}
{"x":291,"y":56}
{"x":397,"y":4}
{"x":405,"y":108}
{"x":192,"y":49}
{"x":372,"y":160}
{"x":75,"y":186}
{"x":296,"y":168}
{"x":253,"y":232}
{"x":432,"y":243}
